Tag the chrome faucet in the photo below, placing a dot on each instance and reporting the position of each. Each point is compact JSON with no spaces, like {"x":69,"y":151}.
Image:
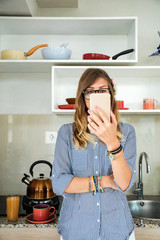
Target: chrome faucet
{"x":139,"y":190}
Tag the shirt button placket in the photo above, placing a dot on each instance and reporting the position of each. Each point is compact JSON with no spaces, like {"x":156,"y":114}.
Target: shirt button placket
{"x":97,"y":199}
{"x":97,"y":196}
{"x":96,"y":166}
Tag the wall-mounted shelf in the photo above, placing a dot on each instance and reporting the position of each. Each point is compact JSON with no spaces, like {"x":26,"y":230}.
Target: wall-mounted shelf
{"x":122,"y":112}
{"x":134,"y":83}
{"x":106,"y":35}
{"x":44,"y":66}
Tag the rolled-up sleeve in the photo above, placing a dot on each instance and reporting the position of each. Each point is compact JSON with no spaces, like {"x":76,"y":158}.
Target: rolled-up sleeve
{"x":130,"y":154}
{"x":61,"y":170}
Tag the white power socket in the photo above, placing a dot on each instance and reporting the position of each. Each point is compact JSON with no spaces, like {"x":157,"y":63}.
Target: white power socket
{"x":50,"y":137}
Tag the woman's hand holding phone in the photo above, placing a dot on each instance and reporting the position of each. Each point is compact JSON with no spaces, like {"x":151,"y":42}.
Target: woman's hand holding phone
{"x":103,"y":128}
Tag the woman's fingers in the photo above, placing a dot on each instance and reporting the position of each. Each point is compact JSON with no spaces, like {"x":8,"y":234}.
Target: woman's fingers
{"x":102,"y":118}
{"x":102,"y":115}
{"x":114,"y":120}
{"x":91,"y":129}
{"x":92,"y":124}
{"x":95,"y":118}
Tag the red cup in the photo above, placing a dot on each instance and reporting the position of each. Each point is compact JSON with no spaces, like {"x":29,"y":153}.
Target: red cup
{"x":120,"y":104}
{"x":41,"y":212}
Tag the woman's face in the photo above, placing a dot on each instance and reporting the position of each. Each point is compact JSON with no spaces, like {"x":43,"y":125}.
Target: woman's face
{"x":100,"y":83}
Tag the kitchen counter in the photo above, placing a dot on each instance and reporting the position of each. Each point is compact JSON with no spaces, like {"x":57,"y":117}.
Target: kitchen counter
{"x":22,"y":223}
{"x":21,"y":229}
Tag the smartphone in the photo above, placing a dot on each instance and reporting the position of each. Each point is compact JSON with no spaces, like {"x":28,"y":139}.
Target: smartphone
{"x":101,"y":100}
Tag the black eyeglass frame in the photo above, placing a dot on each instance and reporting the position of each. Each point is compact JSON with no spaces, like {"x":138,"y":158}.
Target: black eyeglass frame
{"x":94,"y":91}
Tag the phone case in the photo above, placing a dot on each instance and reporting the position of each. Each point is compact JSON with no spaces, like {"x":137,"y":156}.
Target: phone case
{"x":101,"y":100}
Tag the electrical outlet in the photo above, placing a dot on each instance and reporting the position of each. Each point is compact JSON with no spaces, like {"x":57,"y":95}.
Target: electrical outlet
{"x":50,"y":137}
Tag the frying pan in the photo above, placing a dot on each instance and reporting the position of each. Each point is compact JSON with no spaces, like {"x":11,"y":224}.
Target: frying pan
{"x":16,"y":54}
{"x":98,"y":56}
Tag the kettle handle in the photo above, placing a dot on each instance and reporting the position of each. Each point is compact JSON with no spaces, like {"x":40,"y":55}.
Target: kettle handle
{"x":37,"y":162}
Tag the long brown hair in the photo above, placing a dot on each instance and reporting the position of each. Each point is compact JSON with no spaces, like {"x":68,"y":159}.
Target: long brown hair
{"x":81,"y":135}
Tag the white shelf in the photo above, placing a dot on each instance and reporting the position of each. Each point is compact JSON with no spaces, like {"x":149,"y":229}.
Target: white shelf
{"x":105,"y":35}
{"x":123,"y":112}
{"x":134,"y":83}
{"x":44,"y":66}
{"x":143,"y":112}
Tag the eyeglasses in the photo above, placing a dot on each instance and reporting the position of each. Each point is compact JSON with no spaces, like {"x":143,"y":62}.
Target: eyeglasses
{"x":87,"y":93}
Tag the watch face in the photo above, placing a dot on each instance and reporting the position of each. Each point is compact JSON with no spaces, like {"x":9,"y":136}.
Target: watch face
{"x":111,"y":156}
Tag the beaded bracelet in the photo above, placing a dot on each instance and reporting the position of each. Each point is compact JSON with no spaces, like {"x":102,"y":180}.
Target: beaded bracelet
{"x":89,"y":184}
{"x":100,"y":189}
{"x":97,"y":179}
{"x":96,"y":184}
{"x":94,"y":191}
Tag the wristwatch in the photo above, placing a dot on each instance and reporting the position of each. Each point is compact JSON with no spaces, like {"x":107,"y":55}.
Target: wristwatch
{"x":112,"y":154}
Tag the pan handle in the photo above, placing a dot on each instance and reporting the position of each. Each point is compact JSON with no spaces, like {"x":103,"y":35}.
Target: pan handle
{"x":32,"y":50}
{"x":122,"y":53}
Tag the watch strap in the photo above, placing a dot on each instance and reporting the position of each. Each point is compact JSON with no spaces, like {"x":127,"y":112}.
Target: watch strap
{"x":112,"y":154}
{"x":116,"y":150}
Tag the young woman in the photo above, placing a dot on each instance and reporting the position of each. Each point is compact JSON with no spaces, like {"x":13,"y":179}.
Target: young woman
{"x":93,"y":167}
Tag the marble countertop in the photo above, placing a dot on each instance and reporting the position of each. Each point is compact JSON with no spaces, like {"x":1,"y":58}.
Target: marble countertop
{"x":23,"y":223}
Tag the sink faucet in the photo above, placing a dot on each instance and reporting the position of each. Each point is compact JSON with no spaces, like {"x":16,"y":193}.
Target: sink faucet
{"x":139,"y":190}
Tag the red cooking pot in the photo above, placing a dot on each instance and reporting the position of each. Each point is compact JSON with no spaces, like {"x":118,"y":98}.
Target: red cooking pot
{"x":98,"y":56}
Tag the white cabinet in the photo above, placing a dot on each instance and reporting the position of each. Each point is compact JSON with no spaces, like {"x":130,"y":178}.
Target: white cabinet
{"x":134,"y":83}
{"x":106,"y":35}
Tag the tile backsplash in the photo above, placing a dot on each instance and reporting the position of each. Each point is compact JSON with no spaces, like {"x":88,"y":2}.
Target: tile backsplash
{"x":22,"y":142}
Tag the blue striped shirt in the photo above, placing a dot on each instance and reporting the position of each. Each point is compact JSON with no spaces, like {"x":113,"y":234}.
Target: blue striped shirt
{"x":85,"y":216}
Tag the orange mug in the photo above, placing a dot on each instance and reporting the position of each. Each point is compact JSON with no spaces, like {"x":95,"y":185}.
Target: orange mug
{"x":12,"y":203}
{"x":41,"y":212}
{"x":148,"y":103}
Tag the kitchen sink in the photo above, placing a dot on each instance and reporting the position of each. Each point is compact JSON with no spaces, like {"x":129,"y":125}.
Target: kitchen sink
{"x":145,"y":209}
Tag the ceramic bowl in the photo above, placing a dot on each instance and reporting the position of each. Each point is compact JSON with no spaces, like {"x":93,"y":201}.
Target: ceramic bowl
{"x":58,"y":53}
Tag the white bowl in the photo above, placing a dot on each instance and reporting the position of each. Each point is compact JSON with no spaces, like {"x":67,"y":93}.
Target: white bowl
{"x":56,"y":53}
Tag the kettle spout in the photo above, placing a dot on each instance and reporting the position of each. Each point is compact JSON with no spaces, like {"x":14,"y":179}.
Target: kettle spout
{"x":25,"y":179}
